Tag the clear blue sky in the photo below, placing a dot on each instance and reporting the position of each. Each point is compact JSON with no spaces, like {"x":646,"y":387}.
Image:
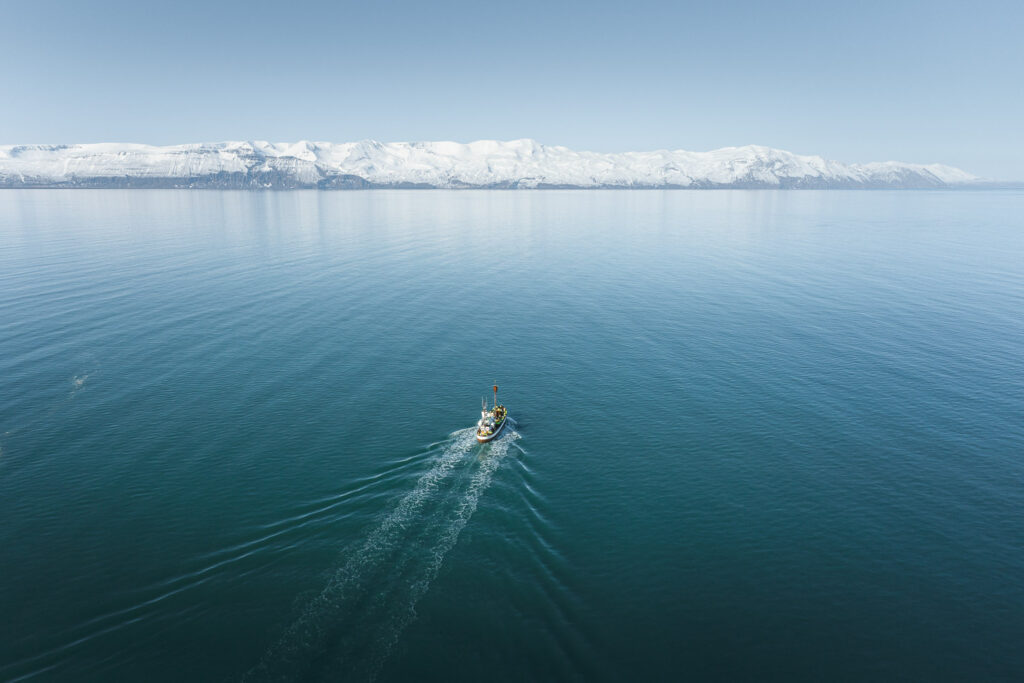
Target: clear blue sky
{"x":854,"y":81}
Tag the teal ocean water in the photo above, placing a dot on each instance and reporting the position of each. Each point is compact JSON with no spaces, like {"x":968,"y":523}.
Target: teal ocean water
{"x":758,"y":436}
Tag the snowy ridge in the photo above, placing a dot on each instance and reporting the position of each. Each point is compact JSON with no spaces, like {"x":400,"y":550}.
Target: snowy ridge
{"x":481,"y":164}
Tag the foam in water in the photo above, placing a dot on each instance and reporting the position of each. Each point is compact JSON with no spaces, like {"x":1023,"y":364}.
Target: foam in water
{"x":306,"y":637}
{"x":448,"y":535}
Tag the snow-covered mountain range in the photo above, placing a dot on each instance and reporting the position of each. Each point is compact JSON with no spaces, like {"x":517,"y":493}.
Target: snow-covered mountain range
{"x":481,"y":164}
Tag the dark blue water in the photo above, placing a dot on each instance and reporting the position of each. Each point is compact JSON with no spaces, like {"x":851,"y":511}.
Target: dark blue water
{"x":759,"y":436}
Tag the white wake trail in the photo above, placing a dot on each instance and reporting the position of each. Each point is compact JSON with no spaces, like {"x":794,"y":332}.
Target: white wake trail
{"x":446,"y":540}
{"x":305,"y":639}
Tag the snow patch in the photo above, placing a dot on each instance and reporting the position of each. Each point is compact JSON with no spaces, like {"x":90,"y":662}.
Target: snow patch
{"x":483,"y":163}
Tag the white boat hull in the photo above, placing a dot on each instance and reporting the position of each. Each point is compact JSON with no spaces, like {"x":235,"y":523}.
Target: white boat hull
{"x":484,"y":439}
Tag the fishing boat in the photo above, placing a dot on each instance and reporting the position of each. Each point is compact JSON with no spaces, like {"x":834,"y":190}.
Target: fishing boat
{"x":491,"y":421}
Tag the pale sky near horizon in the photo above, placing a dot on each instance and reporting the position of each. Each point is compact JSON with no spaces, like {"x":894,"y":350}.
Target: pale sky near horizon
{"x":870,"y":81}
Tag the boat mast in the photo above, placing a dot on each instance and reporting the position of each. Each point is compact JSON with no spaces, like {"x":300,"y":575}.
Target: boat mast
{"x":495,"y":396}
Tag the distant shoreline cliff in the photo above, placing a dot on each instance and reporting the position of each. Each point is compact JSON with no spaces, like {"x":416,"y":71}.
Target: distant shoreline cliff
{"x":486,"y":164}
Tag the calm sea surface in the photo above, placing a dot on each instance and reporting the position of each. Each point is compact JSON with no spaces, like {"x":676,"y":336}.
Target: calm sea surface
{"x":758,"y":435}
